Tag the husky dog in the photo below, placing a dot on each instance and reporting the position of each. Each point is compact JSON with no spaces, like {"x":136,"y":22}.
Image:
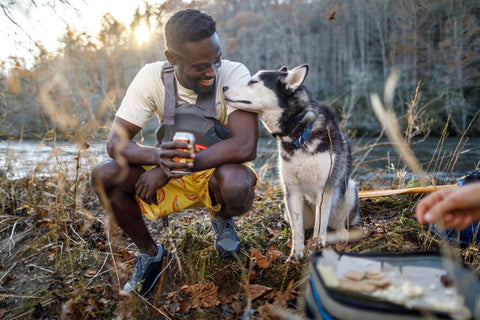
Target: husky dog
{"x":314,"y":155}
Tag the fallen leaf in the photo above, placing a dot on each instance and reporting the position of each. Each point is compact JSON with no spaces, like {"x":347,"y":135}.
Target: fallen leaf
{"x":7,"y":279}
{"x":255,"y":291}
{"x":261,"y":260}
{"x":203,"y":295}
{"x":282,"y":297}
{"x":276,"y":253}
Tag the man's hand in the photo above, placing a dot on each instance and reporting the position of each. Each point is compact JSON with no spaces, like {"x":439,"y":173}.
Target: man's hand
{"x":171,"y":151}
{"x":148,"y":184}
{"x":451,"y":208}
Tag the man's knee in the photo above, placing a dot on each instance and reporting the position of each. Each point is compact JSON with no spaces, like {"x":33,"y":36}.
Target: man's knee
{"x":103,"y":174}
{"x":238,"y":199}
{"x":236,"y":186}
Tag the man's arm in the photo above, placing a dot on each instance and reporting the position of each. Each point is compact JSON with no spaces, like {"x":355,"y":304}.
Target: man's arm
{"x":122,"y":148}
{"x":241,"y":147}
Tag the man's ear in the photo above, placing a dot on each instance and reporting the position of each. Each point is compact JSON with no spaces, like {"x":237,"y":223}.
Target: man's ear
{"x":296,"y":77}
{"x":170,"y":57}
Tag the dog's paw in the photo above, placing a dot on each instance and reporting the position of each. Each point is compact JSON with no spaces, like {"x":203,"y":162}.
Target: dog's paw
{"x":315,"y":244}
{"x":294,"y":259}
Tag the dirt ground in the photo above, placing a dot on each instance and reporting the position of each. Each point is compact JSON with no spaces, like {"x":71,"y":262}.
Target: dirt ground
{"x":62,"y":259}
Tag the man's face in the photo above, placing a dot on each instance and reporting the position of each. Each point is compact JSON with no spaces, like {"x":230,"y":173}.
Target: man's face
{"x":197,"y":64}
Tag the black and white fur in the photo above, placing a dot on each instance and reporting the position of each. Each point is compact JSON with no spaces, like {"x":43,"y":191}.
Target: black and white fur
{"x":314,"y":171}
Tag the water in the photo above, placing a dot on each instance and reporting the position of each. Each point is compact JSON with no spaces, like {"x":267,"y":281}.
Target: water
{"x":446,"y":162}
{"x":25,"y":158}
{"x":451,"y":161}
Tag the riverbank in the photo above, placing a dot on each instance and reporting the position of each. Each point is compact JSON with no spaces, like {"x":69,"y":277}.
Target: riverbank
{"x":63,"y":258}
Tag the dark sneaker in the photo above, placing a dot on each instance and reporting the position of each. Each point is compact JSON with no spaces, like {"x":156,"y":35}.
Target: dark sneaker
{"x":227,"y":242}
{"x":147,"y":271}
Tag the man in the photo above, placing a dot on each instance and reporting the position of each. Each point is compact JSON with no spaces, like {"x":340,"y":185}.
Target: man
{"x":140,"y":178}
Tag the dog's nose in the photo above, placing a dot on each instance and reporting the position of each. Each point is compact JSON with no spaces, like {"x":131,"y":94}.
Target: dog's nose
{"x":225,"y":88}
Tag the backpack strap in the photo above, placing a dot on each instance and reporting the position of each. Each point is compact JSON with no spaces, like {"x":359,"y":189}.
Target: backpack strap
{"x":206,"y":102}
{"x":170,"y":101}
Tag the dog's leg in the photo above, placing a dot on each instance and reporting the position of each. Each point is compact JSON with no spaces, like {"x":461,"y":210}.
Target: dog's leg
{"x":352,"y":196}
{"x":308,"y":215}
{"x":323,"y":208}
{"x":294,"y":201}
{"x":346,"y":212}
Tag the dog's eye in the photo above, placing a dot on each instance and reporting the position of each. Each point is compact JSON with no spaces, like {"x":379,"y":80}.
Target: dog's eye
{"x":252,"y":82}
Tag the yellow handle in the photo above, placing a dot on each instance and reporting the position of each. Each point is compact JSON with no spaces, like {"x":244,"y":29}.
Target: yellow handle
{"x":391,"y":192}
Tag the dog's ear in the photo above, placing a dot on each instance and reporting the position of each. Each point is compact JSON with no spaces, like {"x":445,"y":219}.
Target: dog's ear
{"x":283,"y":69}
{"x":296,"y":77}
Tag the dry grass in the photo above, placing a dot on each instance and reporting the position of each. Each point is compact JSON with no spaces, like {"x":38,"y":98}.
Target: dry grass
{"x":60,"y":260}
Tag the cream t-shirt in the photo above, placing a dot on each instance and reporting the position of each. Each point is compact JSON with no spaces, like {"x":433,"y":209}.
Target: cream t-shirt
{"x":145,"y":95}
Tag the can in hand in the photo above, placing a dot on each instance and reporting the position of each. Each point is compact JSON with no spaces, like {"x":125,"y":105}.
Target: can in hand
{"x":188,"y":138}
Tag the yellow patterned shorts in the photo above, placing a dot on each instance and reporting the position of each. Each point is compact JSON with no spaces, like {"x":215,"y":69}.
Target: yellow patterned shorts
{"x":190,"y":191}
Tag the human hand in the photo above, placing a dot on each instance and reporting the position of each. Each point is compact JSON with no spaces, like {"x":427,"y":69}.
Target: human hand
{"x":451,"y":208}
{"x":169,"y":152}
{"x":148,"y":184}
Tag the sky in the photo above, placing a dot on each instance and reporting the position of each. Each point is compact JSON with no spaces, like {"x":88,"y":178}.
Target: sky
{"x":46,"y":24}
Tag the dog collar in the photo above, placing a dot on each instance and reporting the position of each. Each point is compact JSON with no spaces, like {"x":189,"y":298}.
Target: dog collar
{"x":301,"y":140}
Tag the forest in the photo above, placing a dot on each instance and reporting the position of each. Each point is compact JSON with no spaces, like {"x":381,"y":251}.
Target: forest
{"x":351,"y":47}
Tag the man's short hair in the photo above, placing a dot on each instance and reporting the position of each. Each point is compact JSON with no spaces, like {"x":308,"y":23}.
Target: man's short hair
{"x":186,"y":26}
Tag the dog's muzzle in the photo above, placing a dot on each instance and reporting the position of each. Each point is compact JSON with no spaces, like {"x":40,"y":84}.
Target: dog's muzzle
{"x":225,"y":88}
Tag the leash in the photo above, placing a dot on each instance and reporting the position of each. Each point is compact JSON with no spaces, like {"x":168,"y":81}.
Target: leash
{"x":391,"y":192}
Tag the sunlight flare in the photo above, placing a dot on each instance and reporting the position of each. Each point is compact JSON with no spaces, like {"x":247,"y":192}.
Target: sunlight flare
{"x":142,"y":33}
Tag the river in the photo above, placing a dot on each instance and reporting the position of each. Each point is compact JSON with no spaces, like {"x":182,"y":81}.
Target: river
{"x":445,"y":159}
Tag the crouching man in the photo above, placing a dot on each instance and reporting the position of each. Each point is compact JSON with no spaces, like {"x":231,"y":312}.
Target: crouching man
{"x":139,"y":180}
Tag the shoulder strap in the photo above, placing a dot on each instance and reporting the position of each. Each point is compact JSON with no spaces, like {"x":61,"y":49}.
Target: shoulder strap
{"x":206,"y":102}
{"x":170,"y":101}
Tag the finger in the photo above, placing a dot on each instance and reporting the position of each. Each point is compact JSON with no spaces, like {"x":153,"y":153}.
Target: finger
{"x":448,"y":218}
{"x":457,"y":222}
{"x":148,"y":197}
{"x":139,"y":188}
{"x":142,"y":195}
{"x":153,"y":198}
{"x":466,"y":223}
{"x":173,"y":165}
{"x":425,"y":204}
{"x":175,"y":145}
{"x":437,"y":205}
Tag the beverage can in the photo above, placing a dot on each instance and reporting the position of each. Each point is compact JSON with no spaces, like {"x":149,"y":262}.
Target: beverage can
{"x":189,"y":138}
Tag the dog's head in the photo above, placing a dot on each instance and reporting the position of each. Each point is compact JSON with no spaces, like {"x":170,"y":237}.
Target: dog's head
{"x":271,"y":93}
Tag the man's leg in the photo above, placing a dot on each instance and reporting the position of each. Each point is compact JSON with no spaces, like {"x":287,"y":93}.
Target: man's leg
{"x":118,"y":184}
{"x":231,"y":186}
